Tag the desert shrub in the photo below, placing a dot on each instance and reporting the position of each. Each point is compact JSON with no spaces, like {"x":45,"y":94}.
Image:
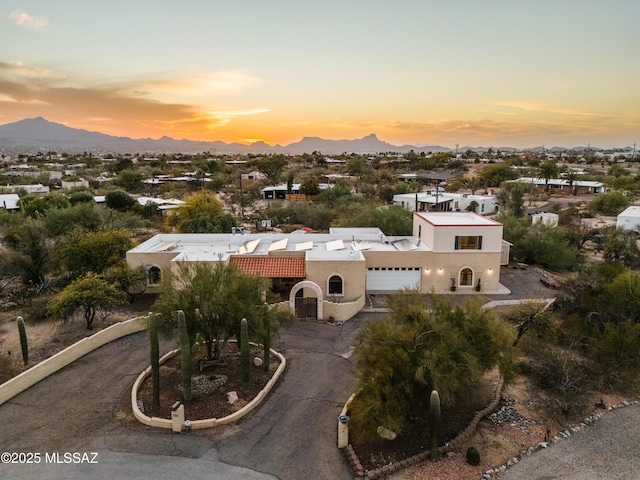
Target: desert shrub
{"x":473,"y":456}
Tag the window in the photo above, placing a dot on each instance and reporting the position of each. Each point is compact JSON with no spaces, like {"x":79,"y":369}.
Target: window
{"x":335,"y":285}
{"x":154,"y":276}
{"x":468,"y":242}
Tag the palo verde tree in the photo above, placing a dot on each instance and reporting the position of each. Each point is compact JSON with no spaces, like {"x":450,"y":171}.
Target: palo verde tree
{"x":415,"y":350}
{"x":214,"y":298}
{"x":90,"y":295}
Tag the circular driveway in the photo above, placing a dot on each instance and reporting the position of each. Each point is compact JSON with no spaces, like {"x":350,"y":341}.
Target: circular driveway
{"x":84,"y":408}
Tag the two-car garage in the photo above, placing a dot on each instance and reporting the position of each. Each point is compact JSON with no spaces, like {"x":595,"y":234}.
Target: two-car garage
{"x":388,"y":279}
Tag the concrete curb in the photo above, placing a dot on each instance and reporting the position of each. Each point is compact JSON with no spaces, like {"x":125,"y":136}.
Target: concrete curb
{"x":210,"y":422}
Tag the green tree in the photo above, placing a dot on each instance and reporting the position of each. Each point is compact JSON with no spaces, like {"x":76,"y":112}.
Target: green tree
{"x":310,"y":186}
{"x":216,"y":318}
{"x":34,"y":207}
{"x":393,"y":220}
{"x":85,"y":216}
{"x":572,"y":177}
{"x":202,"y":213}
{"x":132,"y":281}
{"x":119,"y":200}
{"x":272,"y":166}
{"x":610,"y":203}
{"x":621,"y":246}
{"x":494,"y":175}
{"x":545,"y":245}
{"x":548,"y":170}
{"x":415,"y":350}
{"x":31,"y":257}
{"x":130,"y":180}
{"x":80,"y":196}
{"x":90,"y":295}
{"x":82,"y":252}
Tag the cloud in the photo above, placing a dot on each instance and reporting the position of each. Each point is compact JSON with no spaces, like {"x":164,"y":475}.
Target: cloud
{"x":23,"y":19}
{"x":204,"y":84}
{"x":119,"y":108}
{"x":530,"y":106}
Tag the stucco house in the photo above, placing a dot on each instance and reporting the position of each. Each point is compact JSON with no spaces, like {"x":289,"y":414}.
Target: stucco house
{"x":323,"y":275}
{"x":563,"y":186}
{"x":439,"y":200}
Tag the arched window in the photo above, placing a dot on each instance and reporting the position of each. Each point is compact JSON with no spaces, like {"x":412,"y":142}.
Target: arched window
{"x":154,"y":276}
{"x":466,"y":277}
{"x":335,"y":285}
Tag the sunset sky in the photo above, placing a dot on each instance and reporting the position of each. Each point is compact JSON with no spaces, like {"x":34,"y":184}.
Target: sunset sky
{"x":519,"y":73}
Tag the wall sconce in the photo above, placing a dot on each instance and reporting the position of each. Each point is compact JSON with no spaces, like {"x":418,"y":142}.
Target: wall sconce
{"x":427,"y":271}
{"x":490,"y":270}
{"x":440,"y":271}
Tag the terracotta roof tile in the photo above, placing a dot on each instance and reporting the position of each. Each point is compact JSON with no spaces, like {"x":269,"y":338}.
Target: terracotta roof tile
{"x":272,"y":267}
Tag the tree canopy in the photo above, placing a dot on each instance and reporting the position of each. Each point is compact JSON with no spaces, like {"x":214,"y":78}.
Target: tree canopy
{"x":214,"y":299}
{"x":202,"y":213}
{"x":415,"y":350}
{"x":89,"y":294}
{"x":82,"y":252}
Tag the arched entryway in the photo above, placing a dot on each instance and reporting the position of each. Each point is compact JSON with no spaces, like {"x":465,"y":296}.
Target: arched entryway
{"x":466,"y":277}
{"x":307,"y":307}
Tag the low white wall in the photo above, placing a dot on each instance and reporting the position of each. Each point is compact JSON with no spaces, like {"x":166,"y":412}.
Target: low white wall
{"x":210,"y":422}
{"x":341,"y":312}
{"x":28,"y":378}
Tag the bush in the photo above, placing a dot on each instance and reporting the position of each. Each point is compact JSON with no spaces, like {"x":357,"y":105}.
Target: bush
{"x":473,"y":456}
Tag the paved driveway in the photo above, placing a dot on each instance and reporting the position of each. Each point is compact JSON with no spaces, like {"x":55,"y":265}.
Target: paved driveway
{"x":83,"y":408}
{"x":606,"y":450}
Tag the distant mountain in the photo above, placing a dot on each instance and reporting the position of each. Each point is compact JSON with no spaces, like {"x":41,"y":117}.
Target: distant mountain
{"x":38,"y":134}
{"x":34,"y":134}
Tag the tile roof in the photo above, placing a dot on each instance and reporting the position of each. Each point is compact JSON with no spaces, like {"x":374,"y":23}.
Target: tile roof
{"x":272,"y":267}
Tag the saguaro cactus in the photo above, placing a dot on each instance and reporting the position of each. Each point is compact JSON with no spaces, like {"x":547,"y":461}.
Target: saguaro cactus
{"x":244,"y":350}
{"x":185,"y":357}
{"x":154,"y":353}
{"x":267,"y":338}
{"x":23,"y":341}
{"x":434,"y":423}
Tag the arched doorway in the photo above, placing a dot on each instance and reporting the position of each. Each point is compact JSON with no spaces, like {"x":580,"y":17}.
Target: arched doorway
{"x":466,"y":277}
{"x":307,"y":307}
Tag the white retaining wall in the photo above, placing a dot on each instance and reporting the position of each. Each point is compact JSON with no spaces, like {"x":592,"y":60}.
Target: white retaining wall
{"x":33,"y":375}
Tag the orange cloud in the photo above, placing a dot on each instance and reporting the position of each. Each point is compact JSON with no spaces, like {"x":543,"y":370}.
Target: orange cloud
{"x":119,"y":109}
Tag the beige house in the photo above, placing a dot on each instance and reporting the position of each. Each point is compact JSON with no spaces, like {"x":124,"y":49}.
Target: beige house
{"x":329,"y":275}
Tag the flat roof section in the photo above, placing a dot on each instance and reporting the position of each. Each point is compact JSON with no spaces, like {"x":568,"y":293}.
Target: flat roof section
{"x":451,"y":219}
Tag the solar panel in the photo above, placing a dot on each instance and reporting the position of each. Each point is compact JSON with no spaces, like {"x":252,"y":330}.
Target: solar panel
{"x":334,"y":245}
{"x":303,"y":246}
{"x":279,"y":245}
{"x":404,"y":245}
{"x":165,"y":247}
{"x":359,"y":246}
{"x":248,"y":247}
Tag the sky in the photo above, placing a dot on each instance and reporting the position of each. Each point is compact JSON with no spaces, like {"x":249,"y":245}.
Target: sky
{"x":518,"y":73}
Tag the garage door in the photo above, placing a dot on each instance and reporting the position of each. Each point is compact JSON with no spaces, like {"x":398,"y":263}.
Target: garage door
{"x":389,"y":279}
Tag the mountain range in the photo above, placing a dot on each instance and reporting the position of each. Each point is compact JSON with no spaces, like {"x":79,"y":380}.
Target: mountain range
{"x":38,"y":134}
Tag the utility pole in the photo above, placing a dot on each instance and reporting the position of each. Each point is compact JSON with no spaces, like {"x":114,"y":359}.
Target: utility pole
{"x":241,"y":198}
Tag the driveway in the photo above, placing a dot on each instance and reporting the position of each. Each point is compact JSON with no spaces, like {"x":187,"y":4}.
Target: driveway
{"x":292,"y":435}
{"x":84,"y":408}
